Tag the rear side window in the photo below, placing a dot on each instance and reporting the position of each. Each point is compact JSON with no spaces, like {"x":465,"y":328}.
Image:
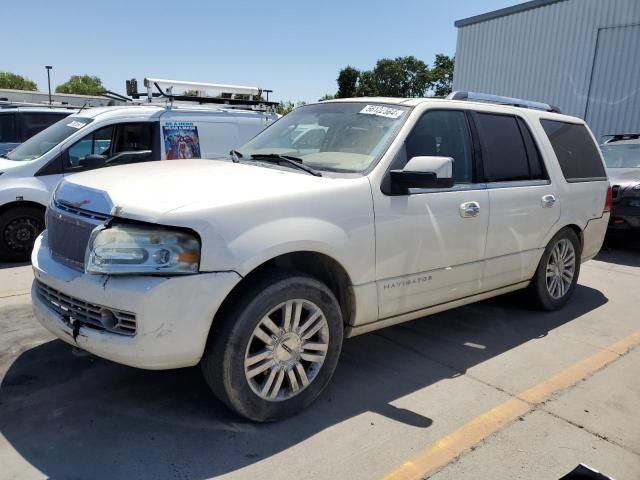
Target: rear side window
{"x":8,"y":128}
{"x":576,"y":151}
{"x":504,"y":154}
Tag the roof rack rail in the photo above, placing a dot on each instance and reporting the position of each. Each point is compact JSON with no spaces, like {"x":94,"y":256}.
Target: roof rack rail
{"x":516,"y":102}
{"x":16,"y":104}
{"x":232,"y":96}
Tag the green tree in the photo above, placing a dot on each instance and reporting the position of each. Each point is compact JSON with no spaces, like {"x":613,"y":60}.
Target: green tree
{"x":441,"y":81}
{"x":287,"y":107}
{"x":16,"y":82}
{"x":326,"y":96}
{"x":366,"y":85}
{"x":347,"y":82}
{"x":190,"y":93}
{"x":401,"y":77}
{"x":82,"y":85}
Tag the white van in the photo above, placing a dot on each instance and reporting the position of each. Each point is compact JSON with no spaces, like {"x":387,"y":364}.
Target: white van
{"x":103,"y":137}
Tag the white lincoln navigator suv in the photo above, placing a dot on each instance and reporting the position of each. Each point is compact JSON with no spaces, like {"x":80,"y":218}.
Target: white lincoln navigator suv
{"x":340,"y":218}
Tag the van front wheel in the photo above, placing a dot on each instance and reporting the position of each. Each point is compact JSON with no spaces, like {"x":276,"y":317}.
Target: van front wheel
{"x":19,"y":228}
{"x":275,"y":350}
{"x":557,"y":274}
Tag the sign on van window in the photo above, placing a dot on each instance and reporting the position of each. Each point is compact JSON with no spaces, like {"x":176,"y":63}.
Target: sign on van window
{"x":181,"y":140}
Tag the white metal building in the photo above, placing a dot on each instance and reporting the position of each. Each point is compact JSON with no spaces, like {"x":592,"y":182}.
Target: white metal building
{"x":580,"y":55}
{"x":57,"y":99}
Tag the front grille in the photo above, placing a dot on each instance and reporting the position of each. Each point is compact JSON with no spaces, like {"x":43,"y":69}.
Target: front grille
{"x":68,"y":236}
{"x":74,"y":310}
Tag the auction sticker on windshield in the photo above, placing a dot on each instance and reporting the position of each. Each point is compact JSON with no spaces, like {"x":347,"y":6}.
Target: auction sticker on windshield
{"x":382,"y":111}
{"x":76,"y":124}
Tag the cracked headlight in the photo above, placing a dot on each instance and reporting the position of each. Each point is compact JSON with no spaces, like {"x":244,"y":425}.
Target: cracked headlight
{"x":127,"y":249}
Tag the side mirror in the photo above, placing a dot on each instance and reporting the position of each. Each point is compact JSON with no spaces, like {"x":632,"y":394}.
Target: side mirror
{"x":93,"y":161}
{"x":423,"y":172}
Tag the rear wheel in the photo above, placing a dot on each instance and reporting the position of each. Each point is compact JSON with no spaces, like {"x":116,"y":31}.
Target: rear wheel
{"x":275,"y":350}
{"x":19,"y":228}
{"x":557,"y":274}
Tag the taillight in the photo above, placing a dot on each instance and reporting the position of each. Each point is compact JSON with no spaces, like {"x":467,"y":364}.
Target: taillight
{"x":608,"y":203}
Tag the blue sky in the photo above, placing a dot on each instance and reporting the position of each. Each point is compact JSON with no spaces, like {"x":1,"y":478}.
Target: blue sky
{"x":295,"y":48}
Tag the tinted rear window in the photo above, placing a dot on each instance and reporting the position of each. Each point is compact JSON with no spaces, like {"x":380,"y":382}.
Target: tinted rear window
{"x":577,"y":153}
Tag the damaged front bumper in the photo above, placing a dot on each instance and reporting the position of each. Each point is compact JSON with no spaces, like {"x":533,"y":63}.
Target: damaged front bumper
{"x":142,"y":321}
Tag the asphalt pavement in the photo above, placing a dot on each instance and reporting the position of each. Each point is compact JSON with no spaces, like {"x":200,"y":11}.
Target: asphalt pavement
{"x":451,"y":396}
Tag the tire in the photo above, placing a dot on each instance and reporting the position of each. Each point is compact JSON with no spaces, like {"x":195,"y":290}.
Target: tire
{"x":549,"y":294}
{"x":237,"y":347}
{"x":19,"y":228}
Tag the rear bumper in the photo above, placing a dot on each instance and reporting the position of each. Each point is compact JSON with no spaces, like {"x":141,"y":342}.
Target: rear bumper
{"x":173,"y":314}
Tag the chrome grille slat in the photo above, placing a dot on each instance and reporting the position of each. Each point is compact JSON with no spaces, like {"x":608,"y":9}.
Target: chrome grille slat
{"x":80,"y":212}
{"x":88,"y":314}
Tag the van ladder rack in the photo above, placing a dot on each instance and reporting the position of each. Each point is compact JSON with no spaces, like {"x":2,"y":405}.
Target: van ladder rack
{"x":233,"y":96}
{"x":516,"y":102}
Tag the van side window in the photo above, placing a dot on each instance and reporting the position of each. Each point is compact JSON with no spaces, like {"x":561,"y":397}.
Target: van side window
{"x":116,"y":144}
{"x":96,"y":143}
{"x":577,"y":153}
{"x":504,"y":155}
{"x":444,"y":133}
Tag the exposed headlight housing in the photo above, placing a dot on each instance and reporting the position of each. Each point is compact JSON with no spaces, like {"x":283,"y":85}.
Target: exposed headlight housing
{"x":131,"y":249}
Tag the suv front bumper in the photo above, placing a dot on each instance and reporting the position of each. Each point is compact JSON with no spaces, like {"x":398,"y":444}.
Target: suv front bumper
{"x":172,"y":315}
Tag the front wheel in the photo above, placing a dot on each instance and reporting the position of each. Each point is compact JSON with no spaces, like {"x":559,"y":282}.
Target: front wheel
{"x":558,"y":270}
{"x":19,"y":228}
{"x":275,"y":350}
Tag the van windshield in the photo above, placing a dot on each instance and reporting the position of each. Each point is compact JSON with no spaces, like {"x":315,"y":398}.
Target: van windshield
{"x":44,"y":141}
{"x":334,"y":136}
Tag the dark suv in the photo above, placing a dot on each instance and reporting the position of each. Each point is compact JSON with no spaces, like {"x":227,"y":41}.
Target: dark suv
{"x":18,"y":124}
{"x":622,"y":155}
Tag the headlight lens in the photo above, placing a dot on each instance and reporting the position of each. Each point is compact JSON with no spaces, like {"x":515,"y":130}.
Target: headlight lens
{"x":126,"y":249}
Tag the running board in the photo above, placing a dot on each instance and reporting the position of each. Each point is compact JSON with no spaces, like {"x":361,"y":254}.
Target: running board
{"x":352,"y":331}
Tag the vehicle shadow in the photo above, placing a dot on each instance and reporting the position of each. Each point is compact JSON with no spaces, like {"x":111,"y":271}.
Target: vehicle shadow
{"x":4,"y":265}
{"x":76,"y":416}
{"x":621,"y":249}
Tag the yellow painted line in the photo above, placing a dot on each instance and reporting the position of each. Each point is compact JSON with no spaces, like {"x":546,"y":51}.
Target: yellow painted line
{"x":473,"y":432}
{"x":15,"y":293}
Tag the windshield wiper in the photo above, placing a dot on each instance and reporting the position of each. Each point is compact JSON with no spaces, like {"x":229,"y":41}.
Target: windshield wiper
{"x":289,"y":160}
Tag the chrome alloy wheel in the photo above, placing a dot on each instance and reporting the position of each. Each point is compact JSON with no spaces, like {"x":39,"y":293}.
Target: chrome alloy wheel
{"x":286,"y":350}
{"x":561,"y":267}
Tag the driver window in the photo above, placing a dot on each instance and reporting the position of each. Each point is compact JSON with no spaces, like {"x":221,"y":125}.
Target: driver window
{"x":118,"y":144}
{"x":444,"y":133}
{"x":96,"y":143}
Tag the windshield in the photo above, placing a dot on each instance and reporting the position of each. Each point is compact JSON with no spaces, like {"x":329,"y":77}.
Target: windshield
{"x":44,"y":141}
{"x":622,"y":156}
{"x":344,"y":137}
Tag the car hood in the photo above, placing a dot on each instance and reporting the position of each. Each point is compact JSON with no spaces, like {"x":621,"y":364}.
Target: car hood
{"x":624,"y":177}
{"x":147,"y":191}
{"x":6,"y":164}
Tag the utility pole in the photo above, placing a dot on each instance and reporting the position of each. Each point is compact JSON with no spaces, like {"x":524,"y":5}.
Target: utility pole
{"x":49,"y":67}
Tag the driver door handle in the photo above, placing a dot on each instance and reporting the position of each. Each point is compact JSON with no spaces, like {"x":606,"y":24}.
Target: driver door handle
{"x":469,"y":209}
